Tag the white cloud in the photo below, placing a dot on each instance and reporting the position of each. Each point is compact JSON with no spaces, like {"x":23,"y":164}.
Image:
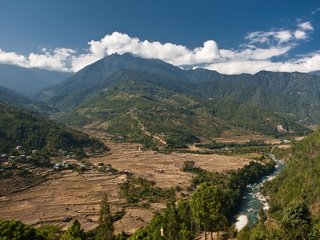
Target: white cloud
{"x":305,"y":64}
{"x":257,"y":53}
{"x":253,"y":53}
{"x":56,"y":60}
{"x":270,"y":38}
{"x":283,"y":36}
{"x":280,"y":36}
{"x":300,"y":34}
{"x":13,"y":58}
{"x":172,"y":53}
{"x":305,"y":26}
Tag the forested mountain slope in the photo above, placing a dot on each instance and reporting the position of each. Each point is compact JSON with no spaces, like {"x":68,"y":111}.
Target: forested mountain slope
{"x":31,"y":131}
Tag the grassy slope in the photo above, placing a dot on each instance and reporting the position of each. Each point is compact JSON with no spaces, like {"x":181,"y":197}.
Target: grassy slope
{"x":137,"y":102}
{"x":294,"y":95}
{"x":300,"y":180}
{"x":31,"y":131}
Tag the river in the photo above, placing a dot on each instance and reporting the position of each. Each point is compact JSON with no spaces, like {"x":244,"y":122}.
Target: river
{"x":253,"y":200}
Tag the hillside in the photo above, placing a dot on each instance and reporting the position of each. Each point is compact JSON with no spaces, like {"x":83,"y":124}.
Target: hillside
{"x":142,"y":107}
{"x":69,"y":93}
{"x":28,"y":81}
{"x":294,"y":196}
{"x":300,"y":179}
{"x":317,"y":73}
{"x":33,"y":132}
{"x":294,"y":95}
{"x":132,"y":98}
{"x":14,"y":99}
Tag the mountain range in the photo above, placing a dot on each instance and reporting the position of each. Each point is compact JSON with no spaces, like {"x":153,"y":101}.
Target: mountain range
{"x":156,"y":103}
{"x":14,"y":99}
{"x":28,"y":81}
{"x":135,"y":98}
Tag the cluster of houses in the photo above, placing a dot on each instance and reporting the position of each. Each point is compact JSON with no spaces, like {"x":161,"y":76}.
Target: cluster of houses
{"x":61,"y":166}
{"x":68,"y":165}
{"x":109,"y":169}
{"x":20,"y":156}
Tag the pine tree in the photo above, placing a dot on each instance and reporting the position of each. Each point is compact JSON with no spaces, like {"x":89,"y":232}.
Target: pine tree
{"x":296,"y":220}
{"x":207,"y":208}
{"x":185,"y":234}
{"x":105,"y":228}
{"x":171,"y":225}
{"x":74,"y":232}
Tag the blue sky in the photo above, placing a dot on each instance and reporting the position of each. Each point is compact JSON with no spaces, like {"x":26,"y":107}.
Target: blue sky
{"x":230,"y":36}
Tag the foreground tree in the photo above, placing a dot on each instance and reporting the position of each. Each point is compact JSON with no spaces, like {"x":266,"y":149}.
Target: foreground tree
{"x":49,"y":232}
{"x":16,"y":230}
{"x":296,"y":220}
{"x":315,"y":231}
{"x":207,"y":208}
{"x":105,"y":228}
{"x":170,"y":222}
{"x":185,"y":234}
{"x":74,"y":232}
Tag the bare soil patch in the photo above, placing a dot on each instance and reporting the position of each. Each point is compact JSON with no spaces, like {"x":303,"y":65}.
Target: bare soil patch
{"x":71,"y":194}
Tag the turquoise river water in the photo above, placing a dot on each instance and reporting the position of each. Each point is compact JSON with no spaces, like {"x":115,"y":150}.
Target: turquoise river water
{"x":253,"y":200}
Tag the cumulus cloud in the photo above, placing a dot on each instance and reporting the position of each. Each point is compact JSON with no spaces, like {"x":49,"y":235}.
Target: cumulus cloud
{"x":305,"y":64}
{"x":172,"y":53}
{"x":13,"y":58}
{"x":59,"y":59}
{"x":300,"y":34}
{"x":251,"y":52}
{"x":258,"y":52}
{"x":270,"y":38}
{"x":281,"y":36}
{"x":305,"y":26}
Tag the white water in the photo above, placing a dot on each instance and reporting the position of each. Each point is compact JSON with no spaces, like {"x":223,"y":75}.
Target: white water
{"x":241,"y":222}
{"x":253,"y":199}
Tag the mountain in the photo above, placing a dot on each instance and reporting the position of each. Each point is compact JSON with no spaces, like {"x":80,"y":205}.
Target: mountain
{"x":28,"y":81}
{"x":317,"y":73}
{"x":294,"y":95}
{"x":14,"y":99}
{"x":132,"y":97}
{"x":32,"y":131}
{"x":89,"y":81}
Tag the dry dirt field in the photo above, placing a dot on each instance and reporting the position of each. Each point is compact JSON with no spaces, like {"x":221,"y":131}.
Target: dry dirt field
{"x":69,"y":193}
{"x":229,"y":138}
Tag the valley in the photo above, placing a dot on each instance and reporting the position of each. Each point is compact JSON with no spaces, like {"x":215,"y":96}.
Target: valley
{"x":77,"y":195}
{"x":160,"y":120}
{"x":166,"y":145}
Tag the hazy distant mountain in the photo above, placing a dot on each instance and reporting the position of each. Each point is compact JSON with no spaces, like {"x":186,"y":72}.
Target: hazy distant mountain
{"x":28,"y":81}
{"x":317,"y":73}
{"x":14,"y":99}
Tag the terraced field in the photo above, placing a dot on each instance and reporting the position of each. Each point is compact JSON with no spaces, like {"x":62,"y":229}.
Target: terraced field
{"x":77,"y":195}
